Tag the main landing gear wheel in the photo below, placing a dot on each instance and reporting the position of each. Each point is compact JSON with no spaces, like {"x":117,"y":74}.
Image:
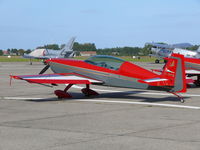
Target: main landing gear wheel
{"x":88,"y":92}
{"x":62,"y":94}
{"x":157,"y":61}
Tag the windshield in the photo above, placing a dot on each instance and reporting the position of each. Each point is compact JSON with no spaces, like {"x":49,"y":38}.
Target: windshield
{"x":109,"y":62}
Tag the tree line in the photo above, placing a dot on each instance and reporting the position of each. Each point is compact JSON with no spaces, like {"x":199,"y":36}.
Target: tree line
{"x":120,"y":51}
{"x":78,"y":47}
{"x":14,"y":51}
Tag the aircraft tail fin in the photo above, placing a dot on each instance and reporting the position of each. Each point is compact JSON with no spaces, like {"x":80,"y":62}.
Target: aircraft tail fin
{"x":198,"y":50}
{"x":68,"y":48}
{"x":175,"y":71}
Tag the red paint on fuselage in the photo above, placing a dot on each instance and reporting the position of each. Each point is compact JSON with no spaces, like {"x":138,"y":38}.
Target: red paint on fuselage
{"x":126,"y":69}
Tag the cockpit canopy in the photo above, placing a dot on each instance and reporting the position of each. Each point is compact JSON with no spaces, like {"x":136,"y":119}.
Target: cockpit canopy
{"x":109,"y":62}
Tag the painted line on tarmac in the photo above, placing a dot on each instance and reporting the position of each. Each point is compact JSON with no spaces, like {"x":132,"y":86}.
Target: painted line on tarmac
{"x":111,"y":101}
{"x":141,"y":103}
{"x":132,"y":92}
{"x":21,"y":98}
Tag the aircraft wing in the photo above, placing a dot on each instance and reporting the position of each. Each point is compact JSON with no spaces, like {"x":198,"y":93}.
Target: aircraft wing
{"x":62,"y":78}
{"x":35,"y":57}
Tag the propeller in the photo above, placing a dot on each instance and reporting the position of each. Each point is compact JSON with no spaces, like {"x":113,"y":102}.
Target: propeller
{"x":44,"y":69}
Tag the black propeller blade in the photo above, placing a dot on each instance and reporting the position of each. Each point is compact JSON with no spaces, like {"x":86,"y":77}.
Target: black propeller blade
{"x":44,"y":69}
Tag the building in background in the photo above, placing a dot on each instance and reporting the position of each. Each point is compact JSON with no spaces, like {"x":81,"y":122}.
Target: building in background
{"x":88,"y":53}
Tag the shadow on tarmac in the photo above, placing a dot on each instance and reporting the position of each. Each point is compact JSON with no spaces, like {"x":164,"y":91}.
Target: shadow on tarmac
{"x":117,"y":96}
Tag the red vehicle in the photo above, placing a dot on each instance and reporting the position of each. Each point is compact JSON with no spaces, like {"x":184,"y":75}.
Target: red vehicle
{"x":111,"y":71}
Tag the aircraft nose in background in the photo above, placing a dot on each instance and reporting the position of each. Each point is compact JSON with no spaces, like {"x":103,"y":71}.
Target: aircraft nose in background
{"x":154,"y":50}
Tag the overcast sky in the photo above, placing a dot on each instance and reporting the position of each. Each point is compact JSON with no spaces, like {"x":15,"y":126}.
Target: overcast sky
{"x":107,"y":23}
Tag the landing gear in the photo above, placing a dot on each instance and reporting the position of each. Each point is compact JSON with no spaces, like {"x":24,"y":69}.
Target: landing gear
{"x":197,"y":82}
{"x":180,"y":97}
{"x":88,"y":92}
{"x":157,"y":61}
{"x":63,"y":94}
{"x":182,"y":100}
{"x":30,"y":62}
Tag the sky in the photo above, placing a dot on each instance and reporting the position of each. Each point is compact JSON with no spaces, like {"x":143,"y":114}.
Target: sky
{"x":107,"y":23}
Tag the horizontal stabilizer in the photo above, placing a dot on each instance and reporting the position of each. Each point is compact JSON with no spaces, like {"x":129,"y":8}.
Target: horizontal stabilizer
{"x":155,"y":81}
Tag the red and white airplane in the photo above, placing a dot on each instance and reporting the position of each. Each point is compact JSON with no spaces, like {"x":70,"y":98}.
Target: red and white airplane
{"x":192,"y":69}
{"x":192,"y":66}
{"x":110,"y":71}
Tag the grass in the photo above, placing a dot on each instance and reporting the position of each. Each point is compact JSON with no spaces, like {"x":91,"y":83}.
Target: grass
{"x":16,"y":59}
{"x":142,"y":59}
{"x":127,"y":58}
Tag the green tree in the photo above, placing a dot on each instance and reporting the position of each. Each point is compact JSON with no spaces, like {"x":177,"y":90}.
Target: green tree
{"x":121,"y":51}
{"x":84,"y":47}
{"x":21,"y":52}
{"x":8,"y":50}
{"x":14,"y":51}
{"x":194,"y":48}
{"x":50,"y":46}
{"x":1,"y":52}
{"x":145,"y":50}
{"x":28,"y":51}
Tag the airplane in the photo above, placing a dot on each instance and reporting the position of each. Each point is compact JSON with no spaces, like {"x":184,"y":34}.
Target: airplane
{"x":191,"y":58}
{"x":110,"y":71}
{"x":44,"y":54}
{"x":192,"y":69}
{"x":164,"y":50}
{"x":162,"y":53}
{"x":169,"y":46}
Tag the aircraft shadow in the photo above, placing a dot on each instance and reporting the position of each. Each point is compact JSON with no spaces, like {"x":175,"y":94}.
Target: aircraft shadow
{"x":119,"y":96}
{"x":141,"y":98}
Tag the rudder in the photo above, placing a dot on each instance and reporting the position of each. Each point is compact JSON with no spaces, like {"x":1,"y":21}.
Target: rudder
{"x":175,"y":70}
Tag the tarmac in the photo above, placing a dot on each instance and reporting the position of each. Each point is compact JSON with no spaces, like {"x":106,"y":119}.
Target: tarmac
{"x":32,"y":118}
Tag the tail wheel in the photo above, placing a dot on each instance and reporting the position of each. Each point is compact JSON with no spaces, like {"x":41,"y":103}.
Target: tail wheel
{"x":182,"y":100}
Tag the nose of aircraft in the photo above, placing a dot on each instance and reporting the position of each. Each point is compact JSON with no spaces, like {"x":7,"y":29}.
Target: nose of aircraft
{"x":44,"y":52}
{"x":154,"y":50}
